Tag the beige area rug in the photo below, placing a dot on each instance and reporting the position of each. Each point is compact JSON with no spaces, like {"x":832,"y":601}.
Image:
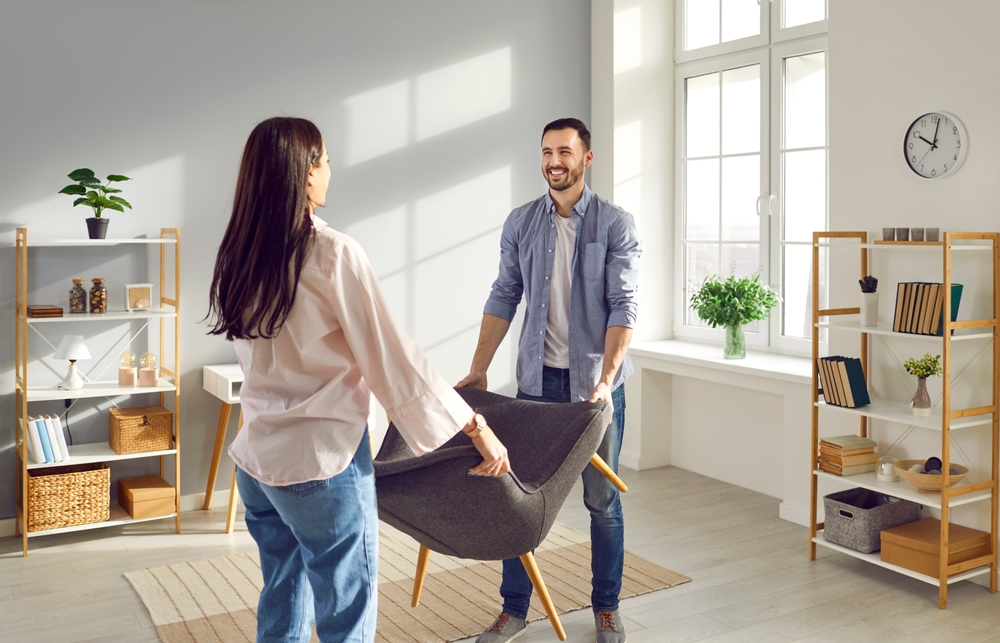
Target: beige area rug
{"x":215,"y":600}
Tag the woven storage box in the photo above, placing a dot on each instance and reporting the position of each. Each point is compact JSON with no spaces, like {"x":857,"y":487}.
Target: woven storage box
{"x":67,"y":496}
{"x":139,"y":429}
{"x":855,"y":518}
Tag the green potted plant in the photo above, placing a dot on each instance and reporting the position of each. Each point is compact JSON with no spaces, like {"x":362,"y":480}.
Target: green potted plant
{"x":97,"y":196}
{"x":732,"y":303}
{"x":927,"y":366}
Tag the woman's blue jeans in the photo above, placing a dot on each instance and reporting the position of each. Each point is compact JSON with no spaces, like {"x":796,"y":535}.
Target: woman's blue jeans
{"x":318,"y":546}
{"x":607,"y":524}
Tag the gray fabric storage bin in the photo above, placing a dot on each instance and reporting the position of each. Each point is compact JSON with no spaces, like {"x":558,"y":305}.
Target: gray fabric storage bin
{"x":855,"y":518}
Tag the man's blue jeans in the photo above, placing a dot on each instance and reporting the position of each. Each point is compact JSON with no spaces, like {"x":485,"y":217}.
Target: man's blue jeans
{"x":318,"y":546}
{"x":607,"y":525}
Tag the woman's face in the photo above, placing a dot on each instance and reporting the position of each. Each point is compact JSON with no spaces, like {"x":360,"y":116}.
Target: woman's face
{"x":319,"y":180}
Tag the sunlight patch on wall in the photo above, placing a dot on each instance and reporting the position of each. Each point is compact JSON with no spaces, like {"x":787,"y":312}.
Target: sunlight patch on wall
{"x":628,"y":168}
{"x":378,"y":122}
{"x":383,"y":237}
{"x":453,"y":216}
{"x":628,"y":39}
{"x":462,"y":93}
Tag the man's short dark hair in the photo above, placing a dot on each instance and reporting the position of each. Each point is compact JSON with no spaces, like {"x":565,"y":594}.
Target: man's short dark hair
{"x":570,"y":123}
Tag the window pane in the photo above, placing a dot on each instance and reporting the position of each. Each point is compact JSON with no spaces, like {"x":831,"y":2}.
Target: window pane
{"x":741,"y":110}
{"x":805,"y":101}
{"x":702,"y":207}
{"x":805,"y":194}
{"x":740,"y":189}
{"x":702,"y":261}
{"x":800,"y":12}
{"x":740,"y":19}
{"x":703,"y":115}
{"x":702,"y":28}
{"x":797,"y":290}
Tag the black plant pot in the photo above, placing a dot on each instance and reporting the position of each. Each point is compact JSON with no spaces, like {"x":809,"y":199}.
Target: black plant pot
{"x":97,"y":228}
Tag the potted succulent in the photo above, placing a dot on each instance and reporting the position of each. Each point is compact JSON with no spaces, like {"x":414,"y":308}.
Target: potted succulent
{"x":869,"y":301}
{"x":927,"y":366}
{"x":732,"y":303}
{"x":97,"y":196}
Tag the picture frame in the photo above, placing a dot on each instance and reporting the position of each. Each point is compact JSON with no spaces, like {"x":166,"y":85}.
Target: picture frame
{"x":138,"y":297}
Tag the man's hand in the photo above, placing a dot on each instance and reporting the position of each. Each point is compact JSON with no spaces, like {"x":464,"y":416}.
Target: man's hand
{"x":475,"y":380}
{"x":602,"y":392}
{"x":495,"y":461}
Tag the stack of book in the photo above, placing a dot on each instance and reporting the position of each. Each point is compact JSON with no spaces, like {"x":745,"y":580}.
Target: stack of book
{"x":847,"y":455}
{"x":920,"y":307}
{"x":843,"y":381}
{"x":44,"y":310}
{"x":44,"y":439}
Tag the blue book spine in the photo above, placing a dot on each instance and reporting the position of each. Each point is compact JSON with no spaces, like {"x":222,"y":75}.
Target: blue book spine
{"x":856,"y":375}
{"x":43,"y":435}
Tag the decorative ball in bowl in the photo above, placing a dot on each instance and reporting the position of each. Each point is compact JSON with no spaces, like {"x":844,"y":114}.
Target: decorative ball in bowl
{"x":924,"y":481}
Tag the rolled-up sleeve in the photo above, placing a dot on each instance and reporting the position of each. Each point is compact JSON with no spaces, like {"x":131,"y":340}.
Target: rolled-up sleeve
{"x":509,"y":286}
{"x":622,"y":271}
{"x":426,"y":409}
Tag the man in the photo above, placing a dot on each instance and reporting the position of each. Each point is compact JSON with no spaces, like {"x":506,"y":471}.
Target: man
{"x":575,"y":257}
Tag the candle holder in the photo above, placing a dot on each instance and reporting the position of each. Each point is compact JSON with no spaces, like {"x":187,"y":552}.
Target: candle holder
{"x":126,"y":369}
{"x":147,"y":370}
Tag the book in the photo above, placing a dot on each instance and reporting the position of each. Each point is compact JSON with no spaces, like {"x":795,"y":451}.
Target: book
{"x":825,"y":450}
{"x":838,"y":389}
{"x":29,"y":444}
{"x":845,"y":383}
{"x":932,"y":308}
{"x":956,"y":299}
{"x":937,"y":316}
{"x":855,"y":376}
{"x":847,"y":471}
{"x":907,"y":307}
{"x":824,"y":381}
{"x":916,"y":291}
{"x":57,"y":434}
{"x":44,"y":310}
{"x":926,"y":292}
{"x":31,"y":434}
{"x":897,"y":318}
{"x":43,"y":436}
{"x":849,"y":460}
{"x":57,"y":452}
{"x":847,"y":442}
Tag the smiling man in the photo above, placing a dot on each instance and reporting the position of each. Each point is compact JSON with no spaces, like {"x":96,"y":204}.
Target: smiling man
{"x":574,"y":256}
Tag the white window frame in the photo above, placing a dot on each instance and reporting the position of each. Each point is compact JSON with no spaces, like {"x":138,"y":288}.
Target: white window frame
{"x":691,"y":70}
{"x":769,"y":49}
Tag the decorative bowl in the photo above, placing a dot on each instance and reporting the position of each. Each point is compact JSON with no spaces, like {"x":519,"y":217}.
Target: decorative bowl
{"x":925,"y":482}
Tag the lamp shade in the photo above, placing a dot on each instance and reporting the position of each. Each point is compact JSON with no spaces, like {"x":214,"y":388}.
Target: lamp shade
{"x":72,"y":347}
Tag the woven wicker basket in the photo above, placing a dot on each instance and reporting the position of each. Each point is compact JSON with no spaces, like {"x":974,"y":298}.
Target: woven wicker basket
{"x":67,"y":496}
{"x":139,"y":429}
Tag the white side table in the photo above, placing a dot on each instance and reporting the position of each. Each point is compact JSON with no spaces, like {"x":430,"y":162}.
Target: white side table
{"x":223,"y":381}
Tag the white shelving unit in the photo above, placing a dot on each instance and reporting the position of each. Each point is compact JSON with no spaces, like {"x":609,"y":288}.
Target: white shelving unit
{"x":944,"y":418}
{"x":167,"y":385}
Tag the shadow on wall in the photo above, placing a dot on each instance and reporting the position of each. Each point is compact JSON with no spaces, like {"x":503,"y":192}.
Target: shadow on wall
{"x":431,"y":111}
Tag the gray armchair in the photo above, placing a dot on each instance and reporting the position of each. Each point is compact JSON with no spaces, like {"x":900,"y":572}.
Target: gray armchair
{"x":432,"y":499}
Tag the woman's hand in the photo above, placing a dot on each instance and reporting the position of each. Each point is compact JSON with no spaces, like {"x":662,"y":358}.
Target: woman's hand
{"x":495,"y":461}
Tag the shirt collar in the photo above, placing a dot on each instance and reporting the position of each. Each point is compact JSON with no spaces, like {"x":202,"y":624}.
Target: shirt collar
{"x":580,"y":207}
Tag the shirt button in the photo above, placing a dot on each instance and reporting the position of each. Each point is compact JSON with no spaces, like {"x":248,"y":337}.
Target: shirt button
{"x":546,"y":277}
{"x":550,"y":249}
{"x":539,"y":357}
{"x":543,"y":305}
{"x":553,"y":225}
{"x":541,"y":332}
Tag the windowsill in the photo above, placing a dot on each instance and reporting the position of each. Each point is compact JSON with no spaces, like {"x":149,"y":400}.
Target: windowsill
{"x":757,"y":364}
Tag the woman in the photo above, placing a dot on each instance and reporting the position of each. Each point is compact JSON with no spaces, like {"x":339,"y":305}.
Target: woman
{"x":314,"y":337}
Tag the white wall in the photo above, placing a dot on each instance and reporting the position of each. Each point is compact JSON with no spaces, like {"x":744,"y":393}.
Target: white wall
{"x":432,"y":113}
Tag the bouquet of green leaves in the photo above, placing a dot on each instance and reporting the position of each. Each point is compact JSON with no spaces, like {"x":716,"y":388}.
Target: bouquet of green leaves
{"x":733,"y":302}
{"x":927,"y":366}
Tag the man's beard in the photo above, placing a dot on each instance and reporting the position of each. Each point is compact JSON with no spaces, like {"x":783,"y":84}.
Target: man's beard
{"x":568,"y":181}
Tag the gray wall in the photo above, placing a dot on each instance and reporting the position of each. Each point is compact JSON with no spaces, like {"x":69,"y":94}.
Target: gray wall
{"x":431,"y":111}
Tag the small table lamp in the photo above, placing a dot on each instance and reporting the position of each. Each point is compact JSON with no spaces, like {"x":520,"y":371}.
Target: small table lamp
{"x":72,"y":348}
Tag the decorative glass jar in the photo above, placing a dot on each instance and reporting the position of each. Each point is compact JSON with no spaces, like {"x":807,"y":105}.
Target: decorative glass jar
{"x":78,"y":297}
{"x":98,"y":296}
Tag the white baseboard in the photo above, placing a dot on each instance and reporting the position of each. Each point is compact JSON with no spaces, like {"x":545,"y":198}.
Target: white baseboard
{"x":793,"y":514}
{"x":629,"y":460}
{"x":220,"y":499}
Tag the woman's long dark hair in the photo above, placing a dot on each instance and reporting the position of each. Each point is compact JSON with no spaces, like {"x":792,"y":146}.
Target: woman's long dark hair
{"x":260,"y":259}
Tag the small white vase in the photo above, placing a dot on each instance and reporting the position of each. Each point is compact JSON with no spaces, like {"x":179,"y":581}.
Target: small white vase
{"x":869,"y":309}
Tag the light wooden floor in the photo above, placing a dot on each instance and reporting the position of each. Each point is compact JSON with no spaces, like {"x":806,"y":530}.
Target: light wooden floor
{"x":752,"y":581}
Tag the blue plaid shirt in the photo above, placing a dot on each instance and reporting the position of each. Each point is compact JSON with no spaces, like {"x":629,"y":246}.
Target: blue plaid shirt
{"x":605,"y":278}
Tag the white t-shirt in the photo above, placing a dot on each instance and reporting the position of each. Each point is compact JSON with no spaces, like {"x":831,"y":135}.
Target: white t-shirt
{"x":557,"y":323}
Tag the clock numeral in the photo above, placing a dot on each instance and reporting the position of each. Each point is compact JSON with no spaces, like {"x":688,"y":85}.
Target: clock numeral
{"x":914,"y":160}
{"x":923,"y":123}
{"x":956,"y":158}
{"x":958,"y":144}
{"x":954,"y":130}
{"x":921,"y":167}
{"x":911,"y":146}
{"x":933,"y":172}
{"x":916,"y":134}
{"x":934,"y":119}
{"x":945,"y":167}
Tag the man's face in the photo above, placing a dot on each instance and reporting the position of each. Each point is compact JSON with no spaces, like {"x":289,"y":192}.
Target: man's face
{"x":564,"y":158}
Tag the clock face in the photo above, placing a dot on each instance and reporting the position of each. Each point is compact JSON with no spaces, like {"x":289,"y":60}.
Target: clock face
{"x":935,"y":145}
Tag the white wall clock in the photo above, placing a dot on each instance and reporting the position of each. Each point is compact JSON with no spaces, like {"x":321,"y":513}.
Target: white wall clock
{"x":935,"y":145}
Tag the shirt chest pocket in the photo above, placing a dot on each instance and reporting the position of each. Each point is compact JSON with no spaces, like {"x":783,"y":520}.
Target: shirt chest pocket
{"x":594,"y":255}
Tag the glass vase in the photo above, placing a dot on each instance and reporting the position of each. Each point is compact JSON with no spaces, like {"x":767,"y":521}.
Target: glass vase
{"x":921,"y":401}
{"x":736,"y":345}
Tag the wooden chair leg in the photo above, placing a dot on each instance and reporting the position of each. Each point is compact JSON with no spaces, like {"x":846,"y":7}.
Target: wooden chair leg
{"x":418,"y":579}
{"x":528,"y":560}
{"x":234,"y":492}
{"x":603,"y":467}
{"x":220,"y":440}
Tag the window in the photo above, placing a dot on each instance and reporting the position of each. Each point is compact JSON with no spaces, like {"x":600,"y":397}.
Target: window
{"x":752,"y":154}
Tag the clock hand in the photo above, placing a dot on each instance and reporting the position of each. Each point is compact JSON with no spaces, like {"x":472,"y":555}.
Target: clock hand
{"x":924,"y":156}
{"x":925,"y":140}
{"x":936,"y":132}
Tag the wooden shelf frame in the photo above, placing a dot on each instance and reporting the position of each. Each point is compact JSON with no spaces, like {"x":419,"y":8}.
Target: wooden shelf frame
{"x":949,"y":418}
{"x":169,"y":385}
